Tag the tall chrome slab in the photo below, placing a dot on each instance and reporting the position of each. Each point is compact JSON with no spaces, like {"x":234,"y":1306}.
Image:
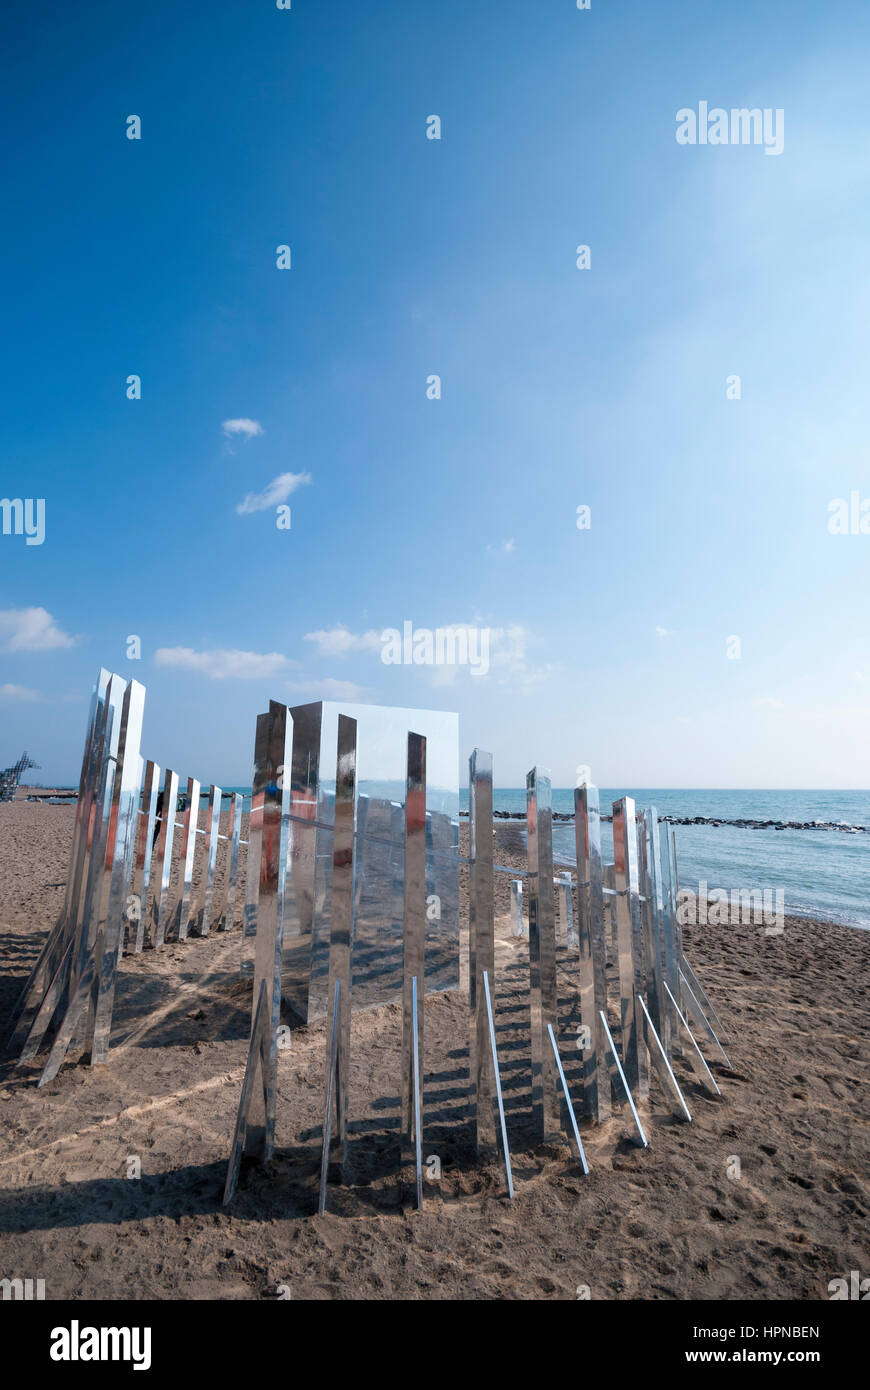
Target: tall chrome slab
{"x":658,"y":943}
{"x":255,"y":845}
{"x":414,"y":937}
{"x":592,"y":949}
{"x":481,"y":944}
{"x":187,"y":908}
{"x":125,"y":804}
{"x":630,"y":948}
{"x":162,"y":904}
{"x":542,"y":956}
{"x":145,"y":848}
{"x":213,"y":826}
{"x":234,"y":835}
{"x":58,"y":941}
{"x":649,"y":919}
{"x":341,"y":938}
{"x":272,"y":799}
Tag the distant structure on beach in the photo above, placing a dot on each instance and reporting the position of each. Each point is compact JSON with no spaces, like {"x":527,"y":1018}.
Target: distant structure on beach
{"x":11,"y":776}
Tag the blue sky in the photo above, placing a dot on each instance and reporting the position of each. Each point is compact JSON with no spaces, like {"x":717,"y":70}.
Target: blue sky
{"x":560,"y":387}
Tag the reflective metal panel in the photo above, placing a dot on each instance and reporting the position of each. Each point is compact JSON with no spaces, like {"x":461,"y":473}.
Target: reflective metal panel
{"x":341,"y":936}
{"x":481,"y":945}
{"x":255,"y":842}
{"x":213,"y":826}
{"x":161,"y":907}
{"x":592,"y":948}
{"x":414,"y":934}
{"x":630,"y":947}
{"x":57,"y":946}
{"x":271,"y":795}
{"x":145,"y":847}
{"x":125,"y":804}
{"x":187,"y":910}
{"x":542,"y":955}
{"x":234,"y":835}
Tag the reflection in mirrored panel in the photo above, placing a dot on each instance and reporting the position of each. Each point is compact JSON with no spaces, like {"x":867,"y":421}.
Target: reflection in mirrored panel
{"x":379,"y":863}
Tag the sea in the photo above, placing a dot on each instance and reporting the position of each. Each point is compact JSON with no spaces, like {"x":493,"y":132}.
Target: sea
{"x":822,"y":873}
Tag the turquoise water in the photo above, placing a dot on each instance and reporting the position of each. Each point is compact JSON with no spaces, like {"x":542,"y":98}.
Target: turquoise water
{"x":823,"y":873}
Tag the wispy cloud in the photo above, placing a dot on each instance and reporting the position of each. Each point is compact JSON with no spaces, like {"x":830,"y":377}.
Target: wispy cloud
{"x":339,"y":641}
{"x":31,"y":630}
{"x":506,"y":548}
{"x":242,"y":428}
{"x":769,"y":702}
{"x":664,"y":632}
{"x":328,"y":689}
{"x":277,"y":491}
{"x":222,"y":664}
{"x":19,"y":692}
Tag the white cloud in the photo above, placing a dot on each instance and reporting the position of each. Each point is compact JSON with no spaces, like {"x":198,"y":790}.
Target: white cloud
{"x":277,"y":491}
{"x":221,"y":663}
{"x":338,"y":641}
{"x":506,"y":547}
{"x":31,"y":630}
{"x":769,"y":702}
{"x":19,"y":692}
{"x":329,"y":689}
{"x":242,"y":428}
{"x":664,"y":632}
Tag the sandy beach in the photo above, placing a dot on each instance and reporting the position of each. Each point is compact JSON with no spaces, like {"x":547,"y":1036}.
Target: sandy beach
{"x":665,"y":1223}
